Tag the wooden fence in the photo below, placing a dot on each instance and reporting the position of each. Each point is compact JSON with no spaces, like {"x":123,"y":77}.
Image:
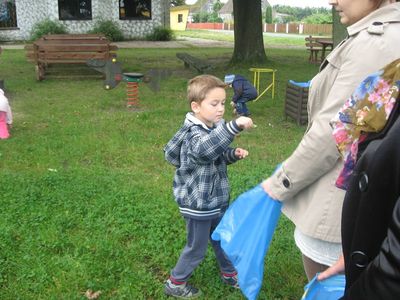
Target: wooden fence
{"x":294,"y":28}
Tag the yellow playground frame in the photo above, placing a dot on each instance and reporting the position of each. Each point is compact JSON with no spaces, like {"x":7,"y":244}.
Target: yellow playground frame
{"x":257,"y":78}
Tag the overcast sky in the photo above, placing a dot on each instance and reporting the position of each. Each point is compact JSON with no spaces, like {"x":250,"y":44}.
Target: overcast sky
{"x":298,"y":3}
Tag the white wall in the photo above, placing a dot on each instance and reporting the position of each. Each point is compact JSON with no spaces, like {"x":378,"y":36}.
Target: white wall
{"x":30,"y":12}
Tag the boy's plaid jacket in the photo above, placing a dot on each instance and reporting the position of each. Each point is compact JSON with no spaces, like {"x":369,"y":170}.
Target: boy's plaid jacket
{"x":200,"y":155}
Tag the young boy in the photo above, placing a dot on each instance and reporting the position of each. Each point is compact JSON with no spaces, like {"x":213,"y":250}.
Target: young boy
{"x":243,"y":91}
{"x":200,"y":152}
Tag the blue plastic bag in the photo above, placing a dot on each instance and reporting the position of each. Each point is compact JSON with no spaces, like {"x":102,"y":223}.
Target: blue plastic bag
{"x":331,"y":288}
{"x":245,"y":233}
{"x":300,"y":84}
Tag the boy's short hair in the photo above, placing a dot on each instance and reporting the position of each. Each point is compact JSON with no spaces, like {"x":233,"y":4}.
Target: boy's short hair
{"x":199,"y":86}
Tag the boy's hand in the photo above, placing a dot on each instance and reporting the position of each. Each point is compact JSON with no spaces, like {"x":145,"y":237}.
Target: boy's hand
{"x":241,"y":153}
{"x":244,"y":122}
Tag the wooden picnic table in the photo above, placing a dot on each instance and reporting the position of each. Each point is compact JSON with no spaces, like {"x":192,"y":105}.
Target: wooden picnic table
{"x":326,"y":43}
{"x":316,"y":45}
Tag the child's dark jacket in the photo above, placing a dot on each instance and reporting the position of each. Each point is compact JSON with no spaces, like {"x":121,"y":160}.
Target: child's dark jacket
{"x":243,"y":89}
{"x":200,"y":155}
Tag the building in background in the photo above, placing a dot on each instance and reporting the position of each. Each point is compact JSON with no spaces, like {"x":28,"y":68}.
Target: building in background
{"x":201,"y":6}
{"x":136,"y":18}
{"x":226,"y":12}
{"x":179,"y":17}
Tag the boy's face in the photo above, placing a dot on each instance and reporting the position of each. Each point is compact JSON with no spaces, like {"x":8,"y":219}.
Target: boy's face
{"x":212,"y":108}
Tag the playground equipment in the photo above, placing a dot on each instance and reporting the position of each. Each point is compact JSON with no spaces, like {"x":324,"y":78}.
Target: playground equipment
{"x":256,"y":81}
{"x":113,"y":76}
{"x":132,"y":88}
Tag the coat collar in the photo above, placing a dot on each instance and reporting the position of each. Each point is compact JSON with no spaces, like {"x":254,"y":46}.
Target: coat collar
{"x":386,"y":14}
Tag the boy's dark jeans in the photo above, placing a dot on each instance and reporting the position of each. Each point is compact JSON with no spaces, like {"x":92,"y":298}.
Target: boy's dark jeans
{"x":241,"y":107}
{"x":198,"y":235}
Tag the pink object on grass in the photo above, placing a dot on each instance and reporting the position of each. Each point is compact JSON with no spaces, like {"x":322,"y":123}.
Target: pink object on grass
{"x":3,"y":125}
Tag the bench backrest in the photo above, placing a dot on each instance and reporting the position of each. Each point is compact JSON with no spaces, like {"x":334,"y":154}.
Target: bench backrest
{"x":311,"y":43}
{"x":70,"y":48}
{"x":74,"y":37}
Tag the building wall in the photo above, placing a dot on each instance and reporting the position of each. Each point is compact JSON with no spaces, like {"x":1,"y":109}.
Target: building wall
{"x":174,"y":19}
{"x":30,"y":12}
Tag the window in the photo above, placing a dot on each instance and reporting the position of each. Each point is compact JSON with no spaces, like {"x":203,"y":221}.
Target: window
{"x":134,"y":9}
{"x":75,"y":9}
{"x":180,"y":18}
{"x":8,"y":14}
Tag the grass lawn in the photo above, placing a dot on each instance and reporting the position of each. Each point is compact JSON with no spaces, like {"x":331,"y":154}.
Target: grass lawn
{"x":270,"y":39}
{"x":86,"y":195}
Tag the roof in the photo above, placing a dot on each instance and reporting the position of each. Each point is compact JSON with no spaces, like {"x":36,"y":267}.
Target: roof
{"x":200,"y":5}
{"x":227,"y":8}
{"x":180,"y":7}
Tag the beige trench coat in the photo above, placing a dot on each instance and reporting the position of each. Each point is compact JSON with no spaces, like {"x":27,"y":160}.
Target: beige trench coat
{"x":306,"y":181}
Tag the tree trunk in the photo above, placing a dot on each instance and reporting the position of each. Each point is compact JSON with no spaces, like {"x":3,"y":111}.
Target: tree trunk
{"x":249,"y":44}
{"x":339,"y":30}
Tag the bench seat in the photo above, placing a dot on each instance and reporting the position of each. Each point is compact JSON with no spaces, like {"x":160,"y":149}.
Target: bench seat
{"x":196,"y":63}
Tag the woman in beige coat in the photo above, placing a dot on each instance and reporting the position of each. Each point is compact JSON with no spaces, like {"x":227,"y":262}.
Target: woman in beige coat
{"x":305,"y":183}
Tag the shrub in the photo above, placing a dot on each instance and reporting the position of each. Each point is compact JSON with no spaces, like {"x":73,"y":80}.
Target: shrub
{"x":110,"y":29}
{"x":160,"y":34}
{"x":47,"y":26}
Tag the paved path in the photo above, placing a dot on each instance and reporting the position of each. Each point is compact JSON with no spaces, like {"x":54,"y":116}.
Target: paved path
{"x":184,"y":42}
{"x":187,"y":42}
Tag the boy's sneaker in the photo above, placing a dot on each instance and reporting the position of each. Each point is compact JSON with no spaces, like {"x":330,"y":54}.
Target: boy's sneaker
{"x":230,"y":279}
{"x":182,"y":291}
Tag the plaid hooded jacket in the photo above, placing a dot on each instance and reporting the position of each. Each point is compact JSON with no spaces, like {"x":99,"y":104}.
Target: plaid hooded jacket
{"x":200,"y":155}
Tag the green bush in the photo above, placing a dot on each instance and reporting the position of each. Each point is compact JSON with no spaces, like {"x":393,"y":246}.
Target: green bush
{"x":110,"y":29}
{"x":47,"y":26}
{"x":161,"y":34}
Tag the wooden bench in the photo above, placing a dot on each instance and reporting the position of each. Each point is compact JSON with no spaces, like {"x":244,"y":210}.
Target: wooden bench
{"x":317,"y":44}
{"x":314,"y":47}
{"x":68,"y":49}
{"x":196,"y":63}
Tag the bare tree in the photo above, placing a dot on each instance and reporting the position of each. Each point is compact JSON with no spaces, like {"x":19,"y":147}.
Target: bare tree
{"x":339,"y":30}
{"x":249,"y":44}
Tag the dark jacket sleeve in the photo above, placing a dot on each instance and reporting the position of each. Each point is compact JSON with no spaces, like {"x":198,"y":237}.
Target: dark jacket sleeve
{"x":381,"y":279}
{"x":205,"y":148}
{"x":230,"y":156}
{"x":237,"y":86}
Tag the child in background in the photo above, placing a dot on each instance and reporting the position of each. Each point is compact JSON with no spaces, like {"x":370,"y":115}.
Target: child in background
{"x":5,"y":116}
{"x":200,"y":152}
{"x":243,"y":91}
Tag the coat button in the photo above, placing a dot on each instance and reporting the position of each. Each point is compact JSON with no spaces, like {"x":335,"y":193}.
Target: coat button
{"x":286,"y":183}
{"x":359,"y":259}
{"x":363,"y":182}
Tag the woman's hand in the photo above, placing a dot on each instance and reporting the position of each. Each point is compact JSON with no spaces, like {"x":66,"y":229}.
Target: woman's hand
{"x":337,"y":268}
{"x":266,"y":187}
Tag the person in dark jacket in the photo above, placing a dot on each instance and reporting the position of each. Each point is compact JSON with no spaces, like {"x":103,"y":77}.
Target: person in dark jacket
{"x":200,"y":153}
{"x":243,"y":91}
{"x":371,"y":209}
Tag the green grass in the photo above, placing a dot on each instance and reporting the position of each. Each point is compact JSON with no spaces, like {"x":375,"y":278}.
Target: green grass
{"x":270,"y":40}
{"x":86,"y":196}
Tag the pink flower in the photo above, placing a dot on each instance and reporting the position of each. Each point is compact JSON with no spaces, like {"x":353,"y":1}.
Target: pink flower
{"x":340,"y":136}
